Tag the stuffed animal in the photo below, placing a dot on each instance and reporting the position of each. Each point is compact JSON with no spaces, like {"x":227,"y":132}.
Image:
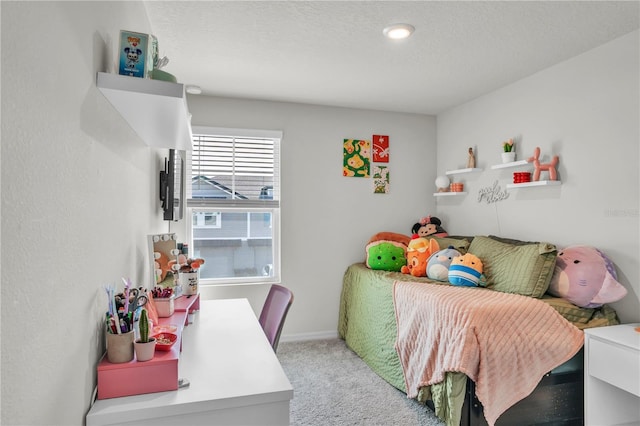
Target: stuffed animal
{"x":386,"y":255}
{"x":439,"y":262}
{"x":465,"y":270}
{"x":585,"y":277}
{"x":161,"y":265}
{"x":418,"y":253}
{"x":390,"y":236}
{"x":429,"y":226}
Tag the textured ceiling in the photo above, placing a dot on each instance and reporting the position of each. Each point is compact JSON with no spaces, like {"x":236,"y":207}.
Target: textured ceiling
{"x":334,"y":53}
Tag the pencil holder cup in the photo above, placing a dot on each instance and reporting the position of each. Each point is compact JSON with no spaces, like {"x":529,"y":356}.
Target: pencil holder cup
{"x":189,"y":283}
{"x":120,"y":347}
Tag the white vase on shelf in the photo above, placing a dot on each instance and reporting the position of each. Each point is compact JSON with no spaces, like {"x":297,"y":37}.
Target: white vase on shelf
{"x":508,"y":157}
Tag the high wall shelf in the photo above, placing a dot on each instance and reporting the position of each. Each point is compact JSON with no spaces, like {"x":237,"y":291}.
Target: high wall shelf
{"x":461,"y":171}
{"x":156,"y":110}
{"x":534,"y":183}
{"x":511,"y":164}
{"x":448,"y":194}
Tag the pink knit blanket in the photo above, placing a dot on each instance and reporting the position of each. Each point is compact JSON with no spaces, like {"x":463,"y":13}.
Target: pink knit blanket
{"x":504,"y":342}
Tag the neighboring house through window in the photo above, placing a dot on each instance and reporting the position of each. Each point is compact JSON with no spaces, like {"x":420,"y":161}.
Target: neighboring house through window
{"x":234,"y":204}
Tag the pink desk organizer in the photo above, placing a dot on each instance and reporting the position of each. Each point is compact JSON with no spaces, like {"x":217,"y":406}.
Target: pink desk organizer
{"x":157,"y":375}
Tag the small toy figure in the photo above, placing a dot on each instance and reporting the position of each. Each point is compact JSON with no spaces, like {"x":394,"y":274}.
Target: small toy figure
{"x":133,"y":56}
{"x":429,"y":226}
{"x":471,"y":162}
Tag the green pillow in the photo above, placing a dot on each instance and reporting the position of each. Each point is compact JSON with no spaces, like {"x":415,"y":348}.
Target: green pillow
{"x":460,"y":244}
{"x":524,"y":269}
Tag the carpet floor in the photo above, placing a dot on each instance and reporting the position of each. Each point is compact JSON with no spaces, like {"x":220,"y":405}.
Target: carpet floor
{"x":333,"y":386}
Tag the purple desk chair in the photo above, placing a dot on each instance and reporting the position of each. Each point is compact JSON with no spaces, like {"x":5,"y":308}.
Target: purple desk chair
{"x":274,"y":313}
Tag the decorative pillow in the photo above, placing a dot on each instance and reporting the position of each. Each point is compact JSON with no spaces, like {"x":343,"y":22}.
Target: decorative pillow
{"x":586,"y":277}
{"x":568,"y":310}
{"x":460,"y":244}
{"x":524,"y":269}
{"x":386,"y":255}
{"x":465,"y":270}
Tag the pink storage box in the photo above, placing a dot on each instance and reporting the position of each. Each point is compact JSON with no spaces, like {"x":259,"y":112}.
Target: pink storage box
{"x":165,"y":306}
{"x":133,"y":378}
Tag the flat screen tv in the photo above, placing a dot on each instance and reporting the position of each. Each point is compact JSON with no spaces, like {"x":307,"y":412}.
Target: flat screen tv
{"x":172,"y":186}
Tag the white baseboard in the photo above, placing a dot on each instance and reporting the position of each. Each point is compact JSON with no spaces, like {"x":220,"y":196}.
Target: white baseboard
{"x":318,"y":335}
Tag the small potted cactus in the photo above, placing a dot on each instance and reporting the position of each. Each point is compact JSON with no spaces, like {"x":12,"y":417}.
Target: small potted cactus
{"x":145,"y":346}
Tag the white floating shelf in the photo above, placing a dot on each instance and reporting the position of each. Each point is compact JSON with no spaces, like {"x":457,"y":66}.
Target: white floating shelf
{"x":460,"y":171}
{"x":536,"y":183}
{"x":448,"y":194}
{"x":512,"y":164}
{"x":156,"y":110}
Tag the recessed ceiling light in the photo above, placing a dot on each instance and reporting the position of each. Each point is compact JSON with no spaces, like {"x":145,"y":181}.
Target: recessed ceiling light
{"x":398,"y":31}
{"x":193,"y":90}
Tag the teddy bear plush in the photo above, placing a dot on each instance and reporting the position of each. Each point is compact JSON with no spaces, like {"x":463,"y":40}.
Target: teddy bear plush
{"x":439,"y":262}
{"x":418,"y":253}
{"x":586,"y":277}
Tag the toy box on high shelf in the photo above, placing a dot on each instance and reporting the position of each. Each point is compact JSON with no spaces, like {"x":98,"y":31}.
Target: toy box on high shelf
{"x":135,"y":55}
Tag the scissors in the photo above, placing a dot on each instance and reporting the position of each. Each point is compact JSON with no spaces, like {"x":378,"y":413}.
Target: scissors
{"x":139,"y":300}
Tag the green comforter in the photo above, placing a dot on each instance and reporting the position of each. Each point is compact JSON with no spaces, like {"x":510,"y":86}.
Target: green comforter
{"x":367,"y":323}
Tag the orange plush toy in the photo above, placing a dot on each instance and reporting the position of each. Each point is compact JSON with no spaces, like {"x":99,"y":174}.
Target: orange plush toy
{"x":161,"y":265}
{"x":418,"y":253}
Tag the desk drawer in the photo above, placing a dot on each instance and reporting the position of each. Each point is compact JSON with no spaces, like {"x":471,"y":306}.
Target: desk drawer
{"x":614,"y":364}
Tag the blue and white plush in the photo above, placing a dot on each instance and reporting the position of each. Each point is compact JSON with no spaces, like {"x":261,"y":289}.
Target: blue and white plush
{"x":465,"y":270}
{"x":439,"y":262}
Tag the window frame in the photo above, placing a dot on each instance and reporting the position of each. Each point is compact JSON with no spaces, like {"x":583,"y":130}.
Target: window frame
{"x":236,"y":206}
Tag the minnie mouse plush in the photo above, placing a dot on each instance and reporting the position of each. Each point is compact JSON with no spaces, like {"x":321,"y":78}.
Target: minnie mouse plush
{"x":428,"y":227}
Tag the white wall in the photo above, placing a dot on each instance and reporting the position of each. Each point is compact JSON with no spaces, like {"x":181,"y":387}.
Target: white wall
{"x":586,"y":110}
{"x":326,"y":218}
{"x":79,"y":188}
{"x":79,"y":193}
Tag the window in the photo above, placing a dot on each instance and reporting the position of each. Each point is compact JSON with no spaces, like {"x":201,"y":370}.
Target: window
{"x":233,"y":201}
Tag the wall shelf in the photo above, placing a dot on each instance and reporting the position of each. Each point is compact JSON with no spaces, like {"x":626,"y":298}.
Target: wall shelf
{"x":532,"y":184}
{"x":156,"y":110}
{"x":460,"y":171}
{"x":512,"y":164}
{"x":448,"y":194}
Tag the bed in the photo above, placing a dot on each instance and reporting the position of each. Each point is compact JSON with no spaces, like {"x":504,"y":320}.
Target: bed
{"x":368,"y":322}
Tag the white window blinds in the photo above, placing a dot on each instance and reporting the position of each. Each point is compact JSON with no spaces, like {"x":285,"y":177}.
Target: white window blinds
{"x":234,"y":168}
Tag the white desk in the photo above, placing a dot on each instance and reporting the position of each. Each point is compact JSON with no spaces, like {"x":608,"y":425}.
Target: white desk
{"x":236,"y":378}
{"x":612,"y":375}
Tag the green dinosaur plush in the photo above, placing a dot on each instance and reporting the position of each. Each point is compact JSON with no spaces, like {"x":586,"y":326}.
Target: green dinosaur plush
{"x":386,"y":255}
